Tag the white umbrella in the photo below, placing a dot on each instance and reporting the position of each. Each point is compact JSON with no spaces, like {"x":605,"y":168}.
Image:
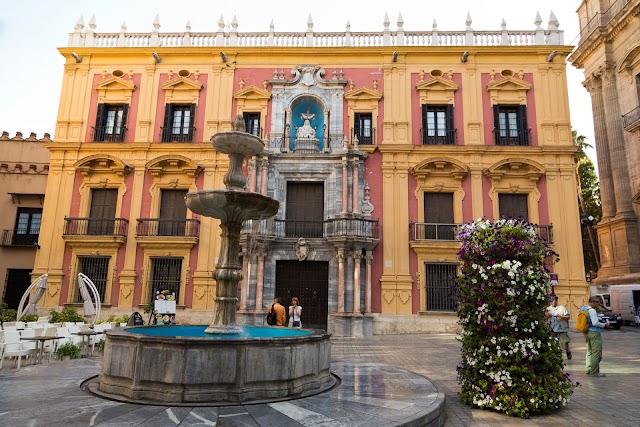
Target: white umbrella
{"x":91,"y":306}
{"x":32,"y":308}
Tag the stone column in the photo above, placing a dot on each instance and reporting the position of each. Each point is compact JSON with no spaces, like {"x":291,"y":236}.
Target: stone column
{"x":263,"y":180}
{"x":345,"y":185}
{"x":367,"y":297}
{"x":617,"y":150}
{"x":260,"y":279}
{"x":340,"y":280}
{"x":253,"y":171}
{"x":244,"y":285}
{"x":594,"y":85}
{"x":357,"y":256}
{"x":354,"y":194}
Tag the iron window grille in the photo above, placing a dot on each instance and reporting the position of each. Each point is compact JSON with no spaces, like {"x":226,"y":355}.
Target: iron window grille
{"x":111,"y":123}
{"x":179,"y":123}
{"x":510,"y":125}
{"x":96,"y":269}
{"x":363,"y":128}
{"x":437,"y":125}
{"x":439,"y":286}
{"x":166,"y":273}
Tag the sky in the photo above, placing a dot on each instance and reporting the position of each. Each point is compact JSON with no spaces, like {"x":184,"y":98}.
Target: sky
{"x":32,"y":30}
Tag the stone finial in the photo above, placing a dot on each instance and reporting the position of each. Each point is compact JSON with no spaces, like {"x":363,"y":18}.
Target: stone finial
{"x":538,"y":21}
{"x":553,"y":21}
{"x":238,"y":124}
{"x":375,"y":84}
{"x":92,"y":23}
{"x":434,"y":26}
{"x":386,"y":21}
{"x":188,"y":26}
{"x":265,"y":84}
{"x":18,"y":137}
{"x":421,"y":75}
{"x":272,"y":26}
{"x":234,"y":23}
{"x":5,"y":136}
{"x":309,"y":23}
{"x":241,"y":84}
{"x":400,"y":20}
{"x":123,"y":27}
{"x":468,"y":22}
{"x":32,"y":137}
{"x":79,"y":24}
{"x":46,"y":137}
{"x":351,"y":84}
{"x":503,"y":25}
{"x":156,"y":23}
{"x":221,"y":23}
{"x":348,"y":26}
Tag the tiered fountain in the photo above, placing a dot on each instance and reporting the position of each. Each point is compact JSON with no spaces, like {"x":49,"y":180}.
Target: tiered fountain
{"x":224,"y":363}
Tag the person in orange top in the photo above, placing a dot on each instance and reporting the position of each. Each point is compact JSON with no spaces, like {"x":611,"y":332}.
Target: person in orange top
{"x":281,"y":315}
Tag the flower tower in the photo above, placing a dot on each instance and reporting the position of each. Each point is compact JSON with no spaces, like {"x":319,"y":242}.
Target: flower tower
{"x":510,"y":361}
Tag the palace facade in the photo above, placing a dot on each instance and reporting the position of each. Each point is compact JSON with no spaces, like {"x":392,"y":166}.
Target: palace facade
{"x":378,"y":146}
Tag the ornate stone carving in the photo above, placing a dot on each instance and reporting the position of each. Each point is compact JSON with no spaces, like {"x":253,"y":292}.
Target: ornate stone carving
{"x":302,"y":249}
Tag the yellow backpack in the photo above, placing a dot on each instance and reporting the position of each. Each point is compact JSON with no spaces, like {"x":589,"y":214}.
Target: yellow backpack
{"x":582,"y":323}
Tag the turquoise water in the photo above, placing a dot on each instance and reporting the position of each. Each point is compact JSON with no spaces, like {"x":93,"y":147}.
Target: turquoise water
{"x":198,"y":331}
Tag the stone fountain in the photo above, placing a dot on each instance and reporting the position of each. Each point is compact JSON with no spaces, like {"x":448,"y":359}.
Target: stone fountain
{"x":223,"y":363}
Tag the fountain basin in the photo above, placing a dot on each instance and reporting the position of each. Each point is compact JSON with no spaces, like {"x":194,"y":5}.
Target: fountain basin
{"x":215,"y":369}
{"x":231,"y":205}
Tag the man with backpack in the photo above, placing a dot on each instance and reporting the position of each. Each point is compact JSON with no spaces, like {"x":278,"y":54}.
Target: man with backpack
{"x":592,"y":335}
{"x":279,"y":311}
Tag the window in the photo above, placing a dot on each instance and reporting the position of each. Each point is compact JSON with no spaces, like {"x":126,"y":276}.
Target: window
{"x":252,"y":123}
{"x":438,"y":216}
{"x":18,"y":281}
{"x":363,"y":128}
{"x":178,"y":123}
{"x":439,"y":281}
{"x":173,"y":213}
{"x":510,"y":125}
{"x":437,"y":125}
{"x":305,"y":209}
{"x":103,"y":212}
{"x":514,"y":206}
{"x":96,"y":269}
{"x":166,"y":273}
{"x":111,"y":123}
{"x":27,"y":227}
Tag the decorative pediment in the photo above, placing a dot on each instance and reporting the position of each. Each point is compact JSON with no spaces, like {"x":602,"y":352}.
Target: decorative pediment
{"x":436,"y":90}
{"x":515,"y":168}
{"x":115,"y":83}
{"x":182,"y":83}
{"x":252,"y":92}
{"x":173,"y":164}
{"x":629,"y":63}
{"x":440,"y":167}
{"x":509,"y":89}
{"x":102,"y":164}
{"x":363,"y":94}
{"x":181,"y":89}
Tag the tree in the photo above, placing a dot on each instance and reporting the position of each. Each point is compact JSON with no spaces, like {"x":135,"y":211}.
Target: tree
{"x":510,"y":361}
{"x":590,"y":206}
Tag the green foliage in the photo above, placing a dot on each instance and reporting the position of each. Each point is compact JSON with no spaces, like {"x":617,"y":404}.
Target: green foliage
{"x":29,"y":318}
{"x":7,"y":314}
{"x":68,"y":349}
{"x":510,"y":361}
{"x":113,"y":319}
{"x":68,"y":314}
{"x":100,"y":344}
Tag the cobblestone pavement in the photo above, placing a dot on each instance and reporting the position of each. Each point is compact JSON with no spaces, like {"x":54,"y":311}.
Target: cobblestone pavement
{"x":613,"y":401}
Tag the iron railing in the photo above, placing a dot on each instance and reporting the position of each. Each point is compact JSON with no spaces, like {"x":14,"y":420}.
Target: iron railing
{"x":433,"y":231}
{"x":168,"y":227}
{"x":96,"y":227}
{"x":366,"y":135}
{"x":545,"y":232}
{"x":439,"y":286}
{"x":11,"y":238}
{"x":177,"y":133}
{"x":338,"y":227}
{"x":166,"y":274}
{"x":108,"y":133}
{"x":631,"y":119}
{"x":96,"y":269}
{"x":521,"y":138}
{"x":450,"y":137}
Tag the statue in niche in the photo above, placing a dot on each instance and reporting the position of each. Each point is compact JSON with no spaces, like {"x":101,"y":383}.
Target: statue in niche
{"x":302,"y":249}
{"x":306,"y":131}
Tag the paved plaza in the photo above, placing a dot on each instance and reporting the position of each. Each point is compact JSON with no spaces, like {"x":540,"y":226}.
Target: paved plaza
{"x":390,"y":368}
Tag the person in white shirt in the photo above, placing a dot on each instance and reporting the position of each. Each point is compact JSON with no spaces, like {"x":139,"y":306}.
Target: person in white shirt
{"x":594,"y":338}
{"x":295,"y":311}
{"x":559,"y":322}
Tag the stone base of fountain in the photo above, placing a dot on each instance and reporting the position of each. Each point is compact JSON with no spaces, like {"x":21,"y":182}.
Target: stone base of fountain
{"x":205,"y":370}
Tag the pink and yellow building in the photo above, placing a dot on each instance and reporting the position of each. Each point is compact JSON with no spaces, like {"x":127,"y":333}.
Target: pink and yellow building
{"x":377,"y":145}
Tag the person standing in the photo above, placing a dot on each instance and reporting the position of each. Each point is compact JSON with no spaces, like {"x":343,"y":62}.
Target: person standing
{"x":559,"y":322}
{"x":281,"y":314}
{"x":594,"y":338}
{"x":295,"y":311}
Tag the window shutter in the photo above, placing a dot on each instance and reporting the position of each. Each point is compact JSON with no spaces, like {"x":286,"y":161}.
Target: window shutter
{"x":496,"y":124}
{"x":523,"y":128}
{"x":101,"y":118}
{"x":168,"y":123}
{"x":423,"y":139}
{"x":451,"y":132}
{"x":123,"y":129}
{"x":192,"y":122}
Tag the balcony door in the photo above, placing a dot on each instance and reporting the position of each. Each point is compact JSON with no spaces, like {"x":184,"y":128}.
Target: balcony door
{"x":438,"y":216}
{"x":103,"y":211}
{"x":513,"y":206}
{"x":173,"y":213}
{"x":305,"y":209}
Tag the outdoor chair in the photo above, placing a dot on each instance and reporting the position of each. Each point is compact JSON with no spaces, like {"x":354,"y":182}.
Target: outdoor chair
{"x":29,"y":348}
{"x":12,"y":348}
{"x":43,"y":319}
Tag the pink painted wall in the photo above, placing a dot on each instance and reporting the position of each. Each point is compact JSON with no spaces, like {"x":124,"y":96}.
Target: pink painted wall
{"x":361,"y":77}
{"x":373,"y":164}
{"x":132,"y":115}
{"x":252,"y":77}
{"x":487,"y":109}
{"x":486,"y":200}
{"x":543,"y":203}
{"x":416,"y":109}
{"x":467,"y":202}
{"x":198,"y":135}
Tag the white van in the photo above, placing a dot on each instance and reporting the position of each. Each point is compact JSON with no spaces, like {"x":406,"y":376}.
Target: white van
{"x":625,"y":299}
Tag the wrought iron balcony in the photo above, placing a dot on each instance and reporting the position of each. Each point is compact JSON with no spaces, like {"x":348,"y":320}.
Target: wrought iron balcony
{"x":95,"y":227}
{"x":545,"y":232}
{"x":168,"y":227}
{"x":366,"y":135}
{"x":11,"y":238}
{"x":631,"y":120}
{"x":443,"y":137}
{"x":338,"y":227}
{"x":177,"y":134}
{"x":433,"y":231}
{"x":522,"y":137}
{"x":108,"y":133}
